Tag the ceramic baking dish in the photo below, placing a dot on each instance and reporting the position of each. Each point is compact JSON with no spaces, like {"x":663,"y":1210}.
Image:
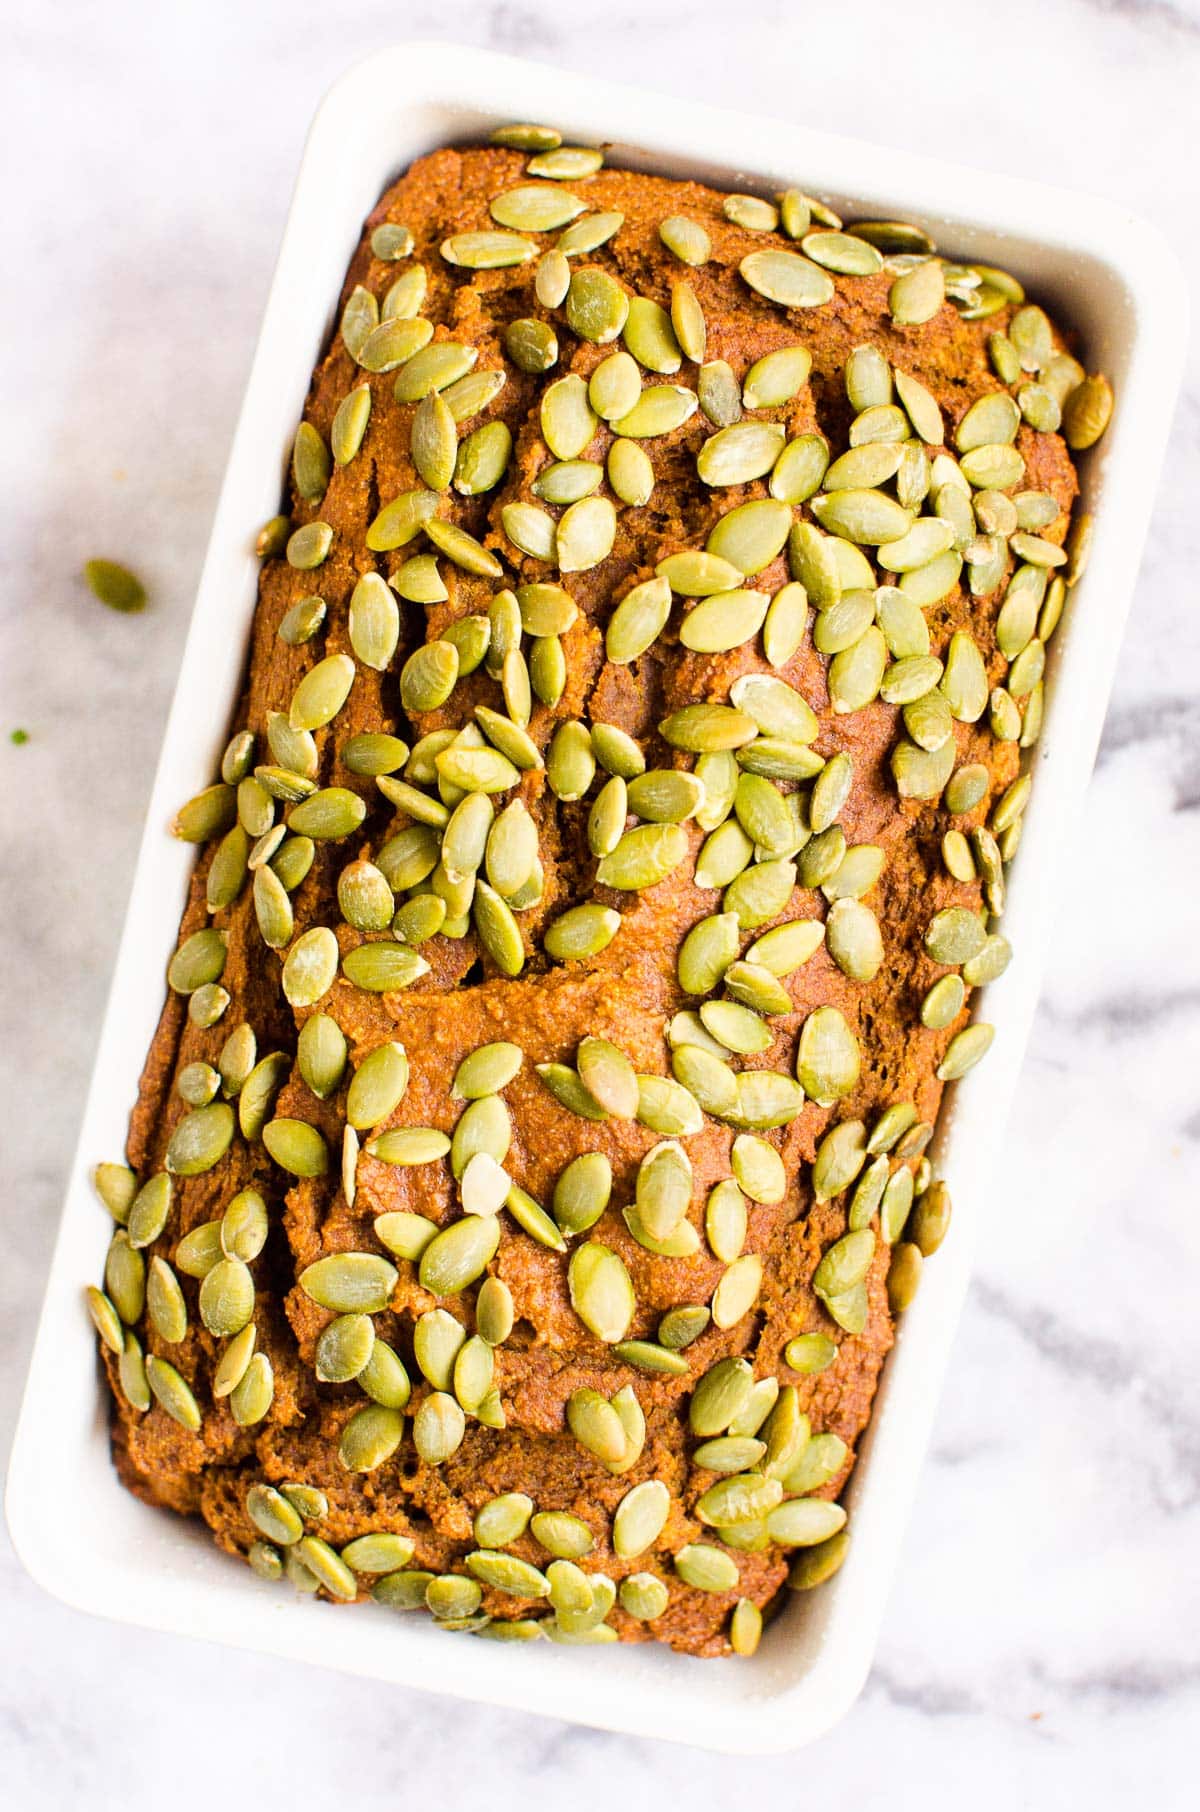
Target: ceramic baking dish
{"x":1099,"y":269}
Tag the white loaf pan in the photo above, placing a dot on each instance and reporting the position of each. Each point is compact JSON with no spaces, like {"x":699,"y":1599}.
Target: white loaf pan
{"x":1097,"y":268}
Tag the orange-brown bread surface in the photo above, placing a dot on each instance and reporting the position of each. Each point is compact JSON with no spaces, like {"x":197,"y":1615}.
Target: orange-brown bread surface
{"x":504,"y":1415}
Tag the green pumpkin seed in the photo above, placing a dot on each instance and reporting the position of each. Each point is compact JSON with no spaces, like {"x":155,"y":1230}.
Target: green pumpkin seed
{"x":799,"y":470}
{"x":597,"y":1426}
{"x":895,"y":1204}
{"x":751,"y":212}
{"x":666,"y":1107}
{"x":438,"y":1339}
{"x":580,"y":932}
{"x":131,"y":1369}
{"x":917,"y":294}
{"x":200,"y":1140}
{"x":638,"y":619}
{"x":650,"y":338}
{"x":343,"y":1348}
{"x":686,"y":238}
{"x":349,"y":429}
{"x":293,"y":860}
{"x":596,"y":305}
{"x":585,"y":535}
{"x":785,"y":624}
{"x":640,"y":1518}
{"x":530,"y":530}
{"x":786,"y":947}
{"x":921,"y":774}
{"x":943,"y":1002}
{"x":582,"y":1192}
{"x":568,"y":421}
{"x":106,"y":1320}
{"x":459,"y":1254}
{"x":845,"y":1263}
{"x":661,"y":409}
{"x":706,"y":953}
{"x":244,"y":1226}
{"x":922,"y":409}
{"x":438,"y":1429}
{"x":756,"y":1408}
{"x":310,"y":463}
{"x":147,"y":1214}
{"x":688,"y":324}
{"x":434,"y":442}
{"x":199,"y":1250}
{"x":665,"y":795}
{"x":481,"y":461}
{"x":760,"y":893}
{"x":964,"y":1051}
{"x":737,"y":1292}
{"x":954,"y":935}
{"x":929,"y":722}
{"x":810,"y":1353}
{"x":643,"y":857}
{"x":173,"y":1393}
{"x":566,"y":162}
{"x":805,"y":1522}
{"x":200,"y":959}
{"x":114,"y":585}
{"x":752,"y":986}
{"x":399,"y":521}
{"x":297,"y":1147}
{"x":384,"y":1377}
{"x":758,"y":1169}
{"x":643,"y":1597}
{"x":370,"y":1437}
{"x":740,"y":1498}
{"x":116,"y":1185}
{"x":866,"y":466}
{"x":535,"y":208}
{"x":741,"y":453}
{"x":904,"y":1277}
{"x":931,"y":1219}
{"x":601,"y":1291}
{"x":840,"y":1156}
{"x":827,"y":1057}
{"x":956,"y":854}
{"x":719,"y":393}
{"x":321,"y":693}
{"x":272,"y":537}
{"x":813,"y":1566}
{"x":776,"y":378}
{"x":751,"y":535}
{"x":680,"y":1327}
{"x":705,"y":1568}
{"x":787,"y":278}
{"x":310,"y":967}
{"x":630,"y":472}
{"x":272,"y":909}
{"x":125,"y":1278}
{"x":1087,"y":412}
{"x":843,"y":252}
{"x":586,"y":234}
{"x":487,"y":251}
{"x":720,"y":1396}
{"x":568,"y":480}
{"x":813,"y":565}
{"x":854,"y":940}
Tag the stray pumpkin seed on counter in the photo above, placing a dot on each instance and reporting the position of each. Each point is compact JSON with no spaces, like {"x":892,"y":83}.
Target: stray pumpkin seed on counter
{"x":647,"y":673}
{"x":115,"y":585}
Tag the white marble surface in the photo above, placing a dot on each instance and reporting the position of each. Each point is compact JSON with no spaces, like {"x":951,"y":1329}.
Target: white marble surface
{"x":1041,"y":1646}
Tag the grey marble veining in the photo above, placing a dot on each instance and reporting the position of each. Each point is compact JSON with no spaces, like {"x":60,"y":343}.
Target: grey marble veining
{"x":1041,"y":1647}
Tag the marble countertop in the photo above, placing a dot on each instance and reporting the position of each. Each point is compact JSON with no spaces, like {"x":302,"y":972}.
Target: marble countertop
{"x":1041,"y":1645}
